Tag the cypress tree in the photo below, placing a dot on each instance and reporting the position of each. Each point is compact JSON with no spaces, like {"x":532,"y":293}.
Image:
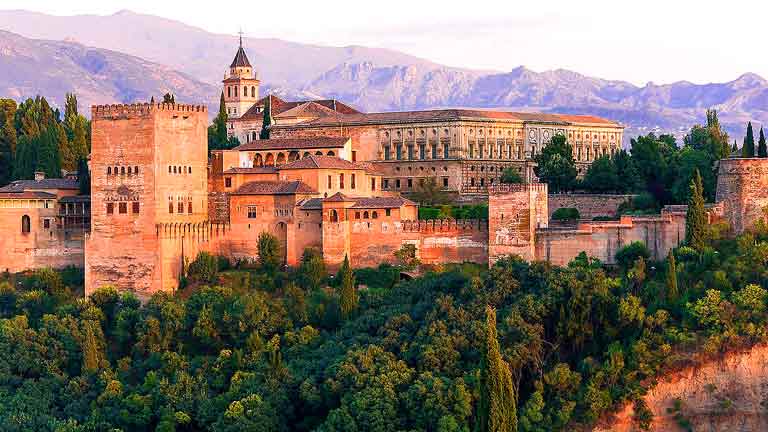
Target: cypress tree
{"x":84,"y":177}
{"x":748,"y":150}
{"x":497,"y":411}
{"x":735,"y":148}
{"x":696,"y":218}
{"x":762,"y":150}
{"x":92,"y":346}
{"x":672,"y":291}
{"x":267,"y":122}
{"x":348,"y":294}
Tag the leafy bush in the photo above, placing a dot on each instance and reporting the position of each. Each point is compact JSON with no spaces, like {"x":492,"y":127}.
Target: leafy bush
{"x":566,"y":214}
{"x":204,"y":268}
{"x":628,"y":255}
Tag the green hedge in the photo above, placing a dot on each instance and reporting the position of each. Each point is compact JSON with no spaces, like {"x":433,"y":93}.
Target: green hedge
{"x":479,"y":211}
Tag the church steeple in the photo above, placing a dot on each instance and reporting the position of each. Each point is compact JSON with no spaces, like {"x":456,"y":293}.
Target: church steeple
{"x":241,"y":86}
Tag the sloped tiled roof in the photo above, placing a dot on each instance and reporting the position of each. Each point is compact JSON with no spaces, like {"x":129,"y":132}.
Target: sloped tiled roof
{"x":274,"y":188}
{"x":382,"y":202}
{"x":308,"y":110}
{"x":52,"y":183}
{"x":75,"y":199}
{"x":253,"y":170}
{"x":280,"y":106}
{"x":322,"y":162}
{"x":241,"y":60}
{"x":452,"y":115}
{"x":27,"y":195}
{"x":293,"y":143}
{"x":312,"y":204}
{"x":338,"y":197}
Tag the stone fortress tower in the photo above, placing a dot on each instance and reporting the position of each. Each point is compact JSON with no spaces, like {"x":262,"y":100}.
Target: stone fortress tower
{"x":241,"y":85}
{"x":148,"y":167}
{"x":742,"y":189}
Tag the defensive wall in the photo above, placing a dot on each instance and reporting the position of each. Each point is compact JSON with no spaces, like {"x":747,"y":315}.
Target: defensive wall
{"x":742,"y":188}
{"x":589,"y":206}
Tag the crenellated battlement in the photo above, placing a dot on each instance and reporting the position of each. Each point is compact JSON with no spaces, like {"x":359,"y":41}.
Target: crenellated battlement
{"x":109,"y":112}
{"x":445,"y":225}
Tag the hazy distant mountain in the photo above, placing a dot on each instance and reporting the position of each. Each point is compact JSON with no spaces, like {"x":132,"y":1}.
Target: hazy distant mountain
{"x":370,"y":78}
{"x":30,"y":67}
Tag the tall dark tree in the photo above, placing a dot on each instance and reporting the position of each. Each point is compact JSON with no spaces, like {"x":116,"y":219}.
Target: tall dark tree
{"x":696,"y":218}
{"x":49,"y":159}
{"x":556,"y":166}
{"x":347,"y":292}
{"x":169,"y":98}
{"x":84,"y":177}
{"x":217,"y":132}
{"x":672,"y":290}
{"x":267,"y":122}
{"x":762,"y":150}
{"x":602,"y":176}
{"x":748,"y":149}
{"x":628,"y":178}
{"x":497,"y":410}
{"x":269,"y":251}
{"x":653,"y":157}
{"x":735,"y":148}
{"x":7,"y":139}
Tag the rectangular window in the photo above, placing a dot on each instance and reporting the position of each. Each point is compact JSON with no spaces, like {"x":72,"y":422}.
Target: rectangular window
{"x":46,"y":223}
{"x":480,"y":152}
{"x":135,"y":207}
{"x":181,"y":207}
{"x":471,"y":151}
{"x":122,"y":208}
{"x":329,"y":182}
{"x":397,"y":184}
{"x":434,"y":151}
{"x":341,"y":181}
{"x":251,"y":212}
{"x":189,"y":207}
{"x":228,"y":182}
{"x":445,"y":182}
{"x":354,"y":156}
{"x":399,"y":152}
{"x":352,"y":180}
{"x":110,"y":208}
{"x":170,"y":207}
{"x":357,"y":215}
{"x":410,"y":152}
{"x":445,"y":151}
{"x":385,"y":184}
{"x":388,"y":212}
{"x":410,"y":183}
{"x":422,"y":151}
{"x":373,"y":184}
{"x":387,"y":153}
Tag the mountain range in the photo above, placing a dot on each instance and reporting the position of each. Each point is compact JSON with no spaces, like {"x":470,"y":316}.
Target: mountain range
{"x":127,"y":57}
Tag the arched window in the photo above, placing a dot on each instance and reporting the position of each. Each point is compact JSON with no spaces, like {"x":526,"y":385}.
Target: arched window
{"x":116,"y":170}
{"x":254,"y":136}
{"x":236,"y":87}
{"x":305,"y":154}
{"x":253,"y":91}
{"x":109,"y":170}
{"x":229,"y":91}
{"x":365,"y":214}
{"x":169,"y":169}
{"x":129,"y":170}
{"x":26,"y":224}
{"x":280,"y":158}
{"x":136,"y":169}
{"x":330,"y":153}
{"x":334,"y":216}
{"x":258,"y":161}
{"x":374,"y":215}
{"x":318,"y":153}
{"x":245,"y":90}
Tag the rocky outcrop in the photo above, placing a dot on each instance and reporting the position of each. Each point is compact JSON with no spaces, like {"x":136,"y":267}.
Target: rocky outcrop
{"x":729,"y":393}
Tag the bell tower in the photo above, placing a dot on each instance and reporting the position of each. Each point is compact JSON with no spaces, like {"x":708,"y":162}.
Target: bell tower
{"x":241,"y":86}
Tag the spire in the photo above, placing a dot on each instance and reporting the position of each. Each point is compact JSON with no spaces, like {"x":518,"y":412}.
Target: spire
{"x":241,"y":60}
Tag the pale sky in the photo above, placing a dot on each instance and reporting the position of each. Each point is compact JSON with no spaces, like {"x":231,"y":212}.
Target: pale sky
{"x":638,"y":41}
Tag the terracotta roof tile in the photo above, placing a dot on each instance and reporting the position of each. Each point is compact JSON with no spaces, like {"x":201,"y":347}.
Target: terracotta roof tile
{"x":254,"y":170}
{"x":280,"y":106}
{"x":382,"y":202}
{"x":293,"y":143}
{"x":312,"y":204}
{"x":49,"y":183}
{"x":338,"y":197}
{"x":27,"y":195}
{"x":322,"y":162}
{"x":274,"y":188}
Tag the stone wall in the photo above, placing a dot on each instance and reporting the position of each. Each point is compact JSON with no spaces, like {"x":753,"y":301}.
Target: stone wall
{"x":515,"y":212}
{"x":589,"y":205}
{"x":742,"y":188}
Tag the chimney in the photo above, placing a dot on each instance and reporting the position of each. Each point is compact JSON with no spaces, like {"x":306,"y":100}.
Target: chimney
{"x":39,"y":175}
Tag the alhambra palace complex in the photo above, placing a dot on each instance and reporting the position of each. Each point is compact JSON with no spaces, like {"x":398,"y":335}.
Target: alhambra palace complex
{"x":329,"y":178}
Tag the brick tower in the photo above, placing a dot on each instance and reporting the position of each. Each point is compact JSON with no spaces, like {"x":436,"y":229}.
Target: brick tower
{"x":148,"y":166}
{"x":241,"y":86}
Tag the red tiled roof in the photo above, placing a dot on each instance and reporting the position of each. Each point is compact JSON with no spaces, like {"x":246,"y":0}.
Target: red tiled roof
{"x":279,"y":106}
{"x":48,"y":183}
{"x":322,"y":162}
{"x":382,"y":202}
{"x":293,"y":143}
{"x":308,"y":110}
{"x":450,"y":115}
{"x":27,"y":195}
{"x":254,"y":170}
{"x":311,"y":204}
{"x":274,"y":188}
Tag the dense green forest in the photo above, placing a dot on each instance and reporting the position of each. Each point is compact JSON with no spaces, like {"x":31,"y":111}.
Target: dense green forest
{"x":254,"y":347}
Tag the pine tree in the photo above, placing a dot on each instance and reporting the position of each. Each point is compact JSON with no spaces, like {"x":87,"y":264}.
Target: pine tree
{"x":84,"y":177}
{"x":348,"y":294}
{"x":497,"y":411}
{"x":672,"y":291}
{"x":696,"y":218}
{"x":748,"y":150}
{"x":267,"y":122}
{"x":762,"y":150}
